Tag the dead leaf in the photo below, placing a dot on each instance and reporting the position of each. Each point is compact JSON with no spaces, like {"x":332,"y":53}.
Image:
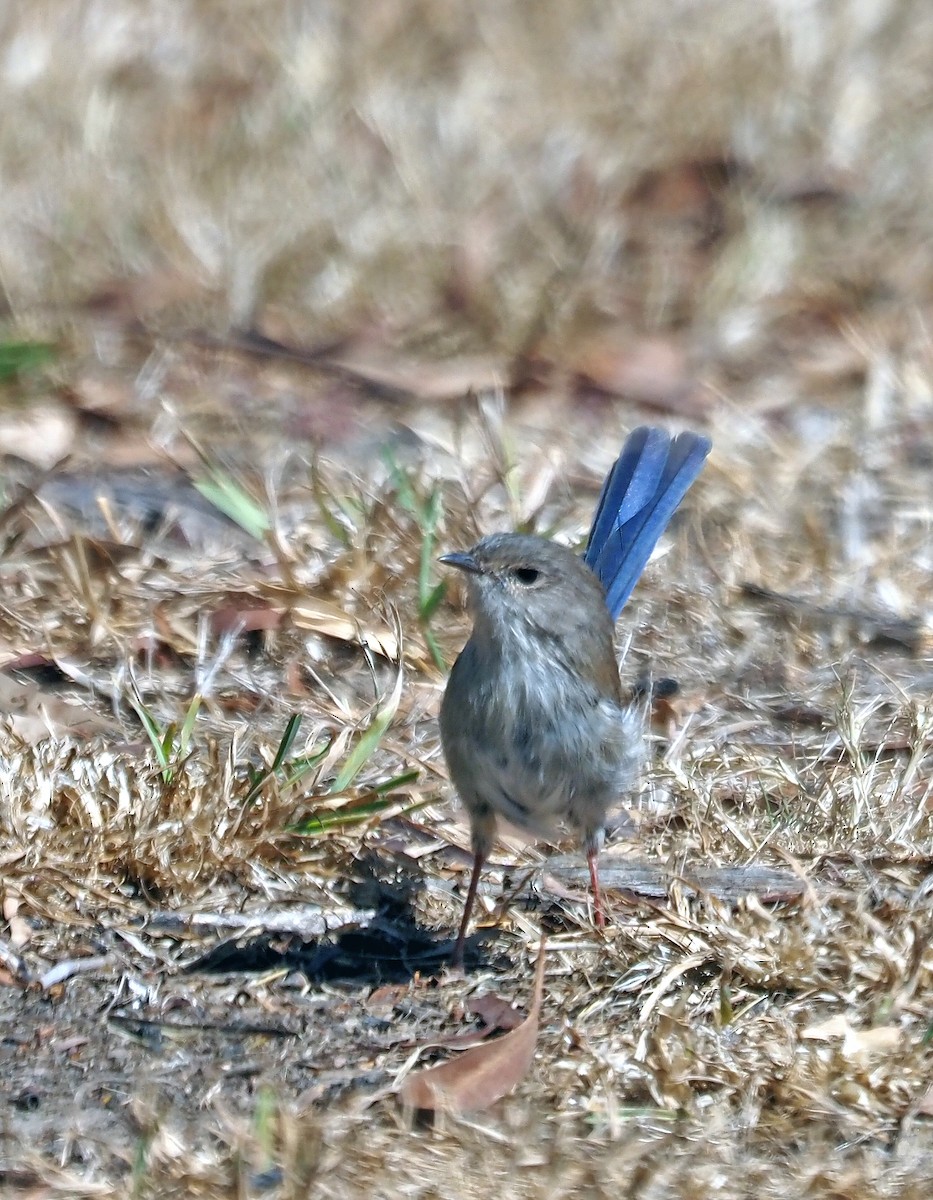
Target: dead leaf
{"x":801,"y":713}
{"x":865,"y":1043}
{"x":240,"y":612}
{"x":828,"y":1030}
{"x":856,"y":1043}
{"x":482,"y":1075}
{"x":323,"y":617}
{"x":456,"y":1041}
{"x":20,"y":931}
{"x":35,"y":668}
{"x":69,"y":967}
{"x":150,"y":648}
{"x":687,"y":191}
{"x":874,"y":628}
{"x":124,"y":503}
{"x":495,"y":1011}
{"x":13,"y":969}
{"x":448,"y":379}
{"x":383,"y":1000}
{"x":35,"y":716}
{"x":42,"y":434}
{"x":816,"y":183}
{"x":652,"y":371}
{"x":132,"y":298}
{"x":106,"y":396}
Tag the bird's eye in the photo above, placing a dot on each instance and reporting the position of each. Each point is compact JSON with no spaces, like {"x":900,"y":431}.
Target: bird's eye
{"x":526,"y":576}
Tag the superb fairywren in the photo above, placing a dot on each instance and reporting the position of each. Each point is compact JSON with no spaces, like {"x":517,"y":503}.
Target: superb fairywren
{"x":533,"y":723}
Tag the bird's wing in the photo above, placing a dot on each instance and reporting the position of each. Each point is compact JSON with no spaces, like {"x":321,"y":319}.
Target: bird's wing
{"x":649,"y":479}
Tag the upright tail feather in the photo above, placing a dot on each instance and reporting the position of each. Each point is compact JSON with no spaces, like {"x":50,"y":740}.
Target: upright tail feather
{"x":649,"y":479}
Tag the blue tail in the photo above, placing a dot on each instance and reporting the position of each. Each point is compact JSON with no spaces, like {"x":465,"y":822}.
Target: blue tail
{"x":649,"y":479}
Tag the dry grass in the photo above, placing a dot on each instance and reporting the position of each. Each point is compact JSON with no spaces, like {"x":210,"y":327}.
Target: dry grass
{"x":711,"y":214}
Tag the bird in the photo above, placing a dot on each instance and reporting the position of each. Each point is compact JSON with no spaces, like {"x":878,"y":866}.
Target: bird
{"x":534,"y":727}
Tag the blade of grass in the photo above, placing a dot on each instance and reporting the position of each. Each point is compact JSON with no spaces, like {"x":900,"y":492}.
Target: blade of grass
{"x":401,"y":482}
{"x":429,"y":518}
{"x":288,"y":740}
{"x":321,"y":497}
{"x":369,"y":741}
{"x":18,"y":358}
{"x":230,"y":497}
{"x":433,"y":600}
{"x":157,"y":738}
{"x":359,"y":809}
{"x":430,"y":595}
{"x":297,"y":768}
{"x":187,"y":729}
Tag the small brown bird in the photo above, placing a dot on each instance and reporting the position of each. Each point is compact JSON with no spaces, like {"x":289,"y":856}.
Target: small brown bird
{"x":533,"y":724}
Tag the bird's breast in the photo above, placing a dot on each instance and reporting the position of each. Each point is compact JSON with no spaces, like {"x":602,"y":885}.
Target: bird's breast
{"x":536,"y":741}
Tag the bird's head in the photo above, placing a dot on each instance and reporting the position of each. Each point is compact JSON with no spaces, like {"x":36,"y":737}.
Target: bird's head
{"x":518,"y":582}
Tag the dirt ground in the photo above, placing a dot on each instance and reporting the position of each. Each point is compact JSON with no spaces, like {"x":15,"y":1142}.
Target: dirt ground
{"x":294,"y":302}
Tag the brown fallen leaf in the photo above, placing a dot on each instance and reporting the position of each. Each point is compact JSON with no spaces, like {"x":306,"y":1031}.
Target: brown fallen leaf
{"x":128,"y":504}
{"x":35,"y":716}
{"x":131,"y":298}
{"x":240,"y":612}
{"x":690,"y":192}
{"x":13,"y":969}
{"x":482,"y":1075}
{"x":456,"y":1041}
{"x":857,"y":1044}
{"x":495,"y":1011}
{"x":36,"y":668}
{"x":383,"y":1000}
{"x":652,"y":371}
{"x":149,"y":647}
{"x":322,"y":616}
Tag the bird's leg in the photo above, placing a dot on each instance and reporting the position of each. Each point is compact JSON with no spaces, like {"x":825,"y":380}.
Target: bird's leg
{"x":478,"y":859}
{"x":483,"y":833}
{"x":593,"y":842}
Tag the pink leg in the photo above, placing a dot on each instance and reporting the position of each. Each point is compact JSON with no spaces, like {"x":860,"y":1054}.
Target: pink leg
{"x":478,"y":860}
{"x":592,"y":858}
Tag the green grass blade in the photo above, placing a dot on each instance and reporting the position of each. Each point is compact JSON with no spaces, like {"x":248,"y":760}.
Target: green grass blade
{"x":297,"y":769}
{"x":433,"y":600}
{"x":187,"y":729}
{"x":161,"y":742}
{"x":369,"y":742}
{"x":288,"y":740}
{"x":19,"y":358}
{"x":359,"y":809}
{"x":232,"y":499}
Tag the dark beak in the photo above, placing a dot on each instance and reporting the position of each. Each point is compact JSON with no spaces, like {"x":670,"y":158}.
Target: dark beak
{"x":462,"y":561}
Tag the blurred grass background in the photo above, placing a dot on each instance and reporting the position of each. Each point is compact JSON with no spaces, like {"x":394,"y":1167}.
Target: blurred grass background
{"x":435,"y":168}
